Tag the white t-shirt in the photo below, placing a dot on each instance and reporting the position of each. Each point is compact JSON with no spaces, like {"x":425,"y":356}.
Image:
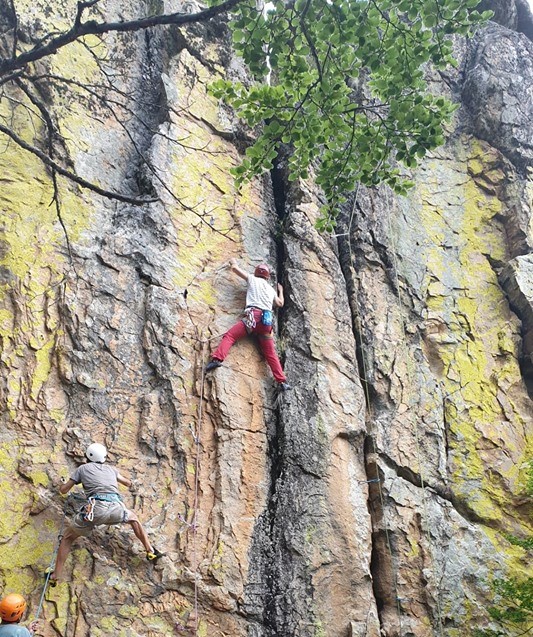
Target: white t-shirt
{"x":260,"y":293}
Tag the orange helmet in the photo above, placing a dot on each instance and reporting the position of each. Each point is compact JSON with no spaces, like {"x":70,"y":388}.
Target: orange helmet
{"x":262,"y":271}
{"x":12,"y":607}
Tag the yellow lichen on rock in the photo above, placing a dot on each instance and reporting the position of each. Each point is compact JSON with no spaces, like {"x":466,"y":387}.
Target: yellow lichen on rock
{"x":32,"y":269}
{"x":206,"y":208}
{"x":479,"y":354}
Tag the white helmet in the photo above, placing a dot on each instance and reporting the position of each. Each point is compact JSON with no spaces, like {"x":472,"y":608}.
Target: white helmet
{"x":96,"y":452}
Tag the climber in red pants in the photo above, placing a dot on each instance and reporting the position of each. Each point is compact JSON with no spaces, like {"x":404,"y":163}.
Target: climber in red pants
{"x":260,"y":299}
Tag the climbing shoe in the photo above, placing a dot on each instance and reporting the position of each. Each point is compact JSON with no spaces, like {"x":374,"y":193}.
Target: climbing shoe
{"x":284,"y":386}
{"x":213,"y":365}
{"x":153,"y":555}
{"x":52,"y":582}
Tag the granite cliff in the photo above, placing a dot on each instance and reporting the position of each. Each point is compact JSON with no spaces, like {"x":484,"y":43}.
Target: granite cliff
{"x":375,"y":497}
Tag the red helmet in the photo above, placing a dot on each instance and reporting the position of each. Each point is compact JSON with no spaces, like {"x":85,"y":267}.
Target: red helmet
{"x":262,"y":271}
{"x":12,"y":607}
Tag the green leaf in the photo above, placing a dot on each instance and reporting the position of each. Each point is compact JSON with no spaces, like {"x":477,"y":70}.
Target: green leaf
{"x":308,"y":103}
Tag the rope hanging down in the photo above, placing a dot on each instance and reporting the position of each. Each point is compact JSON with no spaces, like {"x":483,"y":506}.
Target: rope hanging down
{"x":50,"y":569}
{"x":196,"y":490}
{"x":196,"y":435}
{"x":377,"y":480}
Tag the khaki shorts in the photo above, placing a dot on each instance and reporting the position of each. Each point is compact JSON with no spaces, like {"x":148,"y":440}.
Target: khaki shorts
{"x":104,"y":513}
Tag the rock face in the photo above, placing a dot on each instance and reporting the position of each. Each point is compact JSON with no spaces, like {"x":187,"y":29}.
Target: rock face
{"x":374,"y":498}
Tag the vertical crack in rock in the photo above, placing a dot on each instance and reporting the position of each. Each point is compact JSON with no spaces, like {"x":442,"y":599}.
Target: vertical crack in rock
{"x":276,"y":442}
{"x":299,"y":555}
{"x":268,"y":539}
{"x":381,"y":566}
{"x":273,"y":591}
{"x":347,"y":268}
{"x":264,"y":590}
{"x":516,"y":280}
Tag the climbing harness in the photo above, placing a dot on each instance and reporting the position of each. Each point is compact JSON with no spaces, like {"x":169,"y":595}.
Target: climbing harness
{"x":249,"y":320}
{"x":88,"y":510}
{"x":106,"y":497}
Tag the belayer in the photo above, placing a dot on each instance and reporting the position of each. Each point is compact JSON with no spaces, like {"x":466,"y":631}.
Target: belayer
{"x":12,"y":609}
{"x":261,"y":298}
{"x":105,"y":506}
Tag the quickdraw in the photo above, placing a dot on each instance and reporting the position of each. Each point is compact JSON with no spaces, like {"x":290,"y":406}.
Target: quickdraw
{"x":88,"y":510}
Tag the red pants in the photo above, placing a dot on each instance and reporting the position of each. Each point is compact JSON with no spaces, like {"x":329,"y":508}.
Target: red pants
{"x":266,"y":343}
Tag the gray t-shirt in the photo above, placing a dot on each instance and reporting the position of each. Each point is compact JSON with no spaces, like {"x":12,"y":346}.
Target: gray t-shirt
{"x":260,"y":293}
{"x":96,"y":477}
{"x":14,"y":630}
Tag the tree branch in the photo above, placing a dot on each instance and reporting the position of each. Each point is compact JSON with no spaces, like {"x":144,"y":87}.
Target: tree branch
{"x":81,"y":8}
{"x":70,"y":175}
{"x":94,"y":28}
{"x":309,"y":40}
{"x":47,"y":118}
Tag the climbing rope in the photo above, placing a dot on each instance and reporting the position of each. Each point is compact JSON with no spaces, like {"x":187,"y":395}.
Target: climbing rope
{"x":371,"y":428}
{"x":194,"y":524}
{"x":196,"y":435}
{"x":416,"y":430}
{"x":49,"y":570}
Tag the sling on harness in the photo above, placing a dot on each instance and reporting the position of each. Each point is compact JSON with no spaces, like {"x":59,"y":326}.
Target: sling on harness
{"x":249,"y":319}
{"x":88,"y":509}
